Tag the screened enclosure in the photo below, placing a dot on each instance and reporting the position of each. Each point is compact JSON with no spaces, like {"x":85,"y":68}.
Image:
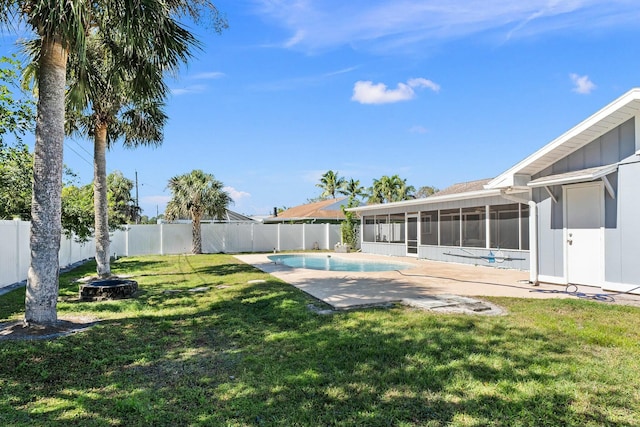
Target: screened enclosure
{"x":499,"y":227}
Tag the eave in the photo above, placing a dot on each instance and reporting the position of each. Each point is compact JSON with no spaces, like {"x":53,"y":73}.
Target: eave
{"x":608,"y":118}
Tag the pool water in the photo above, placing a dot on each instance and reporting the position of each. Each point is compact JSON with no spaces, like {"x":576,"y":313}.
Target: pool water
{"x":329,"y":263}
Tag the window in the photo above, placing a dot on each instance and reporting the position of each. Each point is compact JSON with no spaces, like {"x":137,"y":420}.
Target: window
{"x":396,"y":228}
{"x":369,"y":231}
{"x":524,"y":221}
{"x":382,"y":228}
{"x":450,"y":227}
{"x":510,"y":226}
{"x":473,"y":227}
{"x":429,"y":228}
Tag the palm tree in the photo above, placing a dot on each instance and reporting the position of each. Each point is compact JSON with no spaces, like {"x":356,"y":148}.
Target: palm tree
{"x":376,"y":192}
{"x":402,"y":190}
{"x":118,"y":109}
{"x":61,"y":27}
{"x":353,"y":189}
{"x":387,"y":188}
{"x":330,"y":183}
{"x":194,"y":195}
{"x":390,"y":189}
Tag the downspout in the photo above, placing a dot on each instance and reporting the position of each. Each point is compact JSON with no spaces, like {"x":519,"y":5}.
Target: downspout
{"x":533,"y":243}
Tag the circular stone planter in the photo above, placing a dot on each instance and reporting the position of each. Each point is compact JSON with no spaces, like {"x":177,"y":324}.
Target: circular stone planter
{"x":107,"y":289}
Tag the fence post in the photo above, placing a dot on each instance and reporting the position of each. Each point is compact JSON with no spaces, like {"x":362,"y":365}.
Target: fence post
{"x":161,"y":239}
{"x":17,"y":271}
{"x":70,"y":260}
{"x":304,"y":236}
{"x":327,"y":236}
{"x":253,"y":243}
{"x":224,"y":238}
{"x":278,"y":238}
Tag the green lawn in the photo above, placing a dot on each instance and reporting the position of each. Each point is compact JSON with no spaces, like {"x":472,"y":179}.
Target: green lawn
{"x":245,"y":354}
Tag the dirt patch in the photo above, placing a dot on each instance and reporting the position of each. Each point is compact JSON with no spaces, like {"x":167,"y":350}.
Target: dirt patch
{"x":18,"y":330}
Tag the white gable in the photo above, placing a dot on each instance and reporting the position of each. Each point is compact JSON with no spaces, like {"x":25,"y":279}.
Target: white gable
{"x":611,"y":116}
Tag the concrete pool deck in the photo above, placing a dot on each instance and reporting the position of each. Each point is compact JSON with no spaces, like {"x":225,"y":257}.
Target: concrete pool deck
{"x":427,"y":283}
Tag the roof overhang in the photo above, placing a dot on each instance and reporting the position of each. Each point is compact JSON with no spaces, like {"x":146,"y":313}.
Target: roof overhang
{"x":428,"y":200}
{"x":608,"y":118}
{"x":584,"y":175}
{"x":575,"y":177}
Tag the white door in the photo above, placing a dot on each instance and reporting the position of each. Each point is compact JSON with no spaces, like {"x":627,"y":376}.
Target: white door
{"x":584,"y":255}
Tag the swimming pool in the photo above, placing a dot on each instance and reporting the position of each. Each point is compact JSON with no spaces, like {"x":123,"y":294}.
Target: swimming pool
{"x":329,"y":263}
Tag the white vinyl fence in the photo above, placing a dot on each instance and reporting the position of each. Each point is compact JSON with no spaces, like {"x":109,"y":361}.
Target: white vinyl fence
{"x":14,"y":251}
{"x":230,"y":238}
{"x":165,"y":239}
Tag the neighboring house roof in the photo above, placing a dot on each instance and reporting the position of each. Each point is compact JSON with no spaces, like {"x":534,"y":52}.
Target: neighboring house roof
{"x":229,"y":216}
{"x":608,"y":118}
{"x":330,"y":209}
{"x":463,"y":187}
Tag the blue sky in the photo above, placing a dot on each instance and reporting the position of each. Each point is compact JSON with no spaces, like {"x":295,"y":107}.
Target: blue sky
{"x":436,"y":91}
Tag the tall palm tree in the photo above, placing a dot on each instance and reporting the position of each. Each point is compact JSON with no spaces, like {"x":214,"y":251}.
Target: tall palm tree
{"x":385,"y":188}
{"x":194,"y":195}
{"x":390,"y":189}
{"x":376,"y":192}
{"x":353,"y":189}
{"x":61,"y":27}
{"x":107,"y":106}
{"x":330,"y":183}
{"x":402,"y":190}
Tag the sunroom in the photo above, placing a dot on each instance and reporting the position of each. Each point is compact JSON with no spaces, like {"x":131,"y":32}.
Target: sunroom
{"x":463,"y":223}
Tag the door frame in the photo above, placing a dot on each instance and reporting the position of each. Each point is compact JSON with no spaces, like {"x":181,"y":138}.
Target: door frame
{"x":599,"y":185}
{"x":415,"y":216}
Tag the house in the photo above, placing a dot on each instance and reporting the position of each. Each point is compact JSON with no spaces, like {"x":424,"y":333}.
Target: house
{"x":228,"y":216}
{"x":322,"y":212}
{"x":567,"y":213}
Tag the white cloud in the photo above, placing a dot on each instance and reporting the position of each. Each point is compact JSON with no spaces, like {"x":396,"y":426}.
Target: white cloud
{"x":198,"y":88}
{"x":338,"y":72}
{"x":394,"y":25}
{"x":211,"y":75}
{"x":297,"y":82}
{"x":313,"y":175}
{"x":236,"y":195}
{"x":366,"y":92}
{"x":154,"y":204}
{"x":582,"y":84}
{"x":297,"y":38}
{"x":424,"y":83}
{"x":157,"y":199}
{"x":188,"y":90}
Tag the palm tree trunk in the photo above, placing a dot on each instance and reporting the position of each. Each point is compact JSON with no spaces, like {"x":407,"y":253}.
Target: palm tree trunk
{"x":42,"y":278}
{"x":196,"y":233}
{"x":100,"y":203}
